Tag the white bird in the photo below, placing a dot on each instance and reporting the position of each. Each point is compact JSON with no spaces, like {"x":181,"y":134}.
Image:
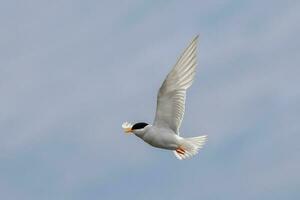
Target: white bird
{"x":164,"y":133}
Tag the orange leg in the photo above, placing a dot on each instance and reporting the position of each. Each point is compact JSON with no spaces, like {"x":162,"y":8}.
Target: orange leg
{"x":180,"y":150}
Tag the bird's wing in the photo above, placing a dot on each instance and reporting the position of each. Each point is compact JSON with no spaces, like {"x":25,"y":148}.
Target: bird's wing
{"x":172,"y":93}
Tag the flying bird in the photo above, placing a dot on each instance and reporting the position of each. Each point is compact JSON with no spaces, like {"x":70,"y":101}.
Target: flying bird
{"x":164,"y":132}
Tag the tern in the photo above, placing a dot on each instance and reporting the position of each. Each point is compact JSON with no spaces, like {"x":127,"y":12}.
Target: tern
{"x":164,"y":132}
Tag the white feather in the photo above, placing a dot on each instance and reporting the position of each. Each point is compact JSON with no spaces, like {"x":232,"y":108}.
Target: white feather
{"x":172,"y":93}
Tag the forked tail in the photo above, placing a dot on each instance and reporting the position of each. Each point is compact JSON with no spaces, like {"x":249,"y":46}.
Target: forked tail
{"x":190,"y":147}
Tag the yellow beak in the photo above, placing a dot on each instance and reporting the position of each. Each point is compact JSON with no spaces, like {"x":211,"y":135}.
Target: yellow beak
{"x":127,"y":130}
{"x":127,"y":127}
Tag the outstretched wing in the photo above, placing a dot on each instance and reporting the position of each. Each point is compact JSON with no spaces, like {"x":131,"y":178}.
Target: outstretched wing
{"x":172,"y":93}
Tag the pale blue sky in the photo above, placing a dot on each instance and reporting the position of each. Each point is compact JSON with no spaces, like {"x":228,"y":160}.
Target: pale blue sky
{"x":72,"y":71}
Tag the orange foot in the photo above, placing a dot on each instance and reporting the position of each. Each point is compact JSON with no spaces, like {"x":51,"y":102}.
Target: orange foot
{"x":180,"y":151}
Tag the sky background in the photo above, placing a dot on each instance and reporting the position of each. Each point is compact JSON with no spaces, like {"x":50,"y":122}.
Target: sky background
{"x":71,"y":72}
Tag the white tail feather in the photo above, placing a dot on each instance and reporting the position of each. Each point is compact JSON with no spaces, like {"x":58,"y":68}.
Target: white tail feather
{"x":190,"y":146}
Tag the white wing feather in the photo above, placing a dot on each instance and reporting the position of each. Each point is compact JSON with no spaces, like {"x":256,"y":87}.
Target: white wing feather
{"x":171,"y":96}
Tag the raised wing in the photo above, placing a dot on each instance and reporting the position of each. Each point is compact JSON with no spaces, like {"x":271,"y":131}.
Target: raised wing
{"x":171,"y":95}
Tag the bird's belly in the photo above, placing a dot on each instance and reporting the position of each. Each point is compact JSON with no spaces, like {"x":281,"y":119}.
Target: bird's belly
{"x":164,"y":141}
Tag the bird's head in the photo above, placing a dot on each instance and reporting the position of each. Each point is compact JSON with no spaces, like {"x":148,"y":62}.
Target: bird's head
{"x":137,"y":128}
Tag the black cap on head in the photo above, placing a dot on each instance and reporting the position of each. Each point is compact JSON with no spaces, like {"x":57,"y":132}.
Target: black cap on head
{"x":139,"y":125}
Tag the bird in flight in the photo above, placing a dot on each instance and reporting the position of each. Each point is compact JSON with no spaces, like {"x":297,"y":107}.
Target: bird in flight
{"x":164,"y":132}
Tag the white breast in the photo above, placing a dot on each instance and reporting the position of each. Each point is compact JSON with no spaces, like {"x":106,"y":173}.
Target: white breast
{"x":162,"y":138}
